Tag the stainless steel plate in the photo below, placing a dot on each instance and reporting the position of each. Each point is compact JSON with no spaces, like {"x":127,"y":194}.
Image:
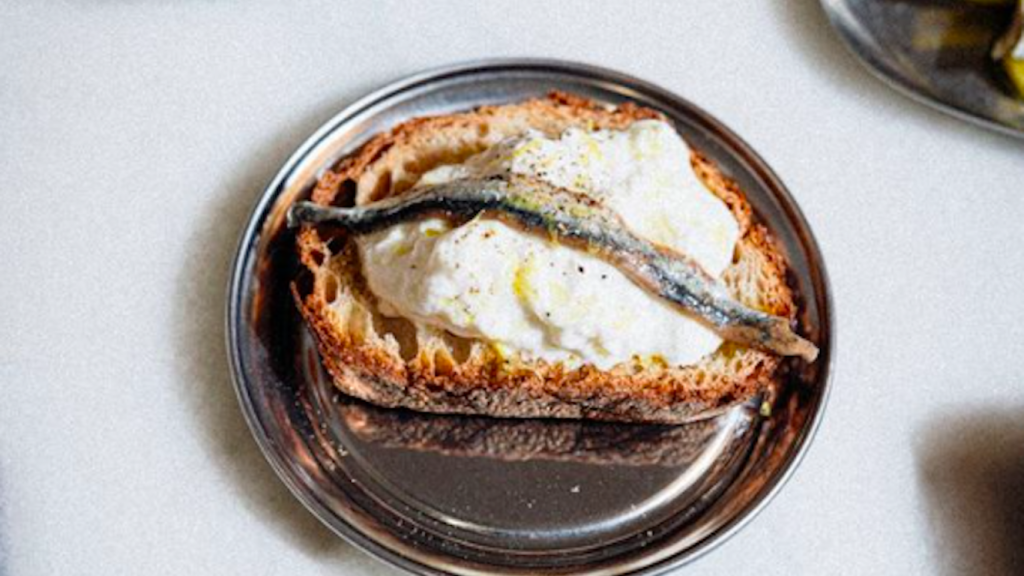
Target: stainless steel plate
{"x":935,"y":51}
{"x":436,"y":494}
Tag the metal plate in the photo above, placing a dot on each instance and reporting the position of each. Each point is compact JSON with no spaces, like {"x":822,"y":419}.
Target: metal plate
{"x":464,"y":495}
{"x":936,"y":52}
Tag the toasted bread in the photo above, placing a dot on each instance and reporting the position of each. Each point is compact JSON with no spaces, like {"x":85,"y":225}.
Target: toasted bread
{"x":392,"y":362}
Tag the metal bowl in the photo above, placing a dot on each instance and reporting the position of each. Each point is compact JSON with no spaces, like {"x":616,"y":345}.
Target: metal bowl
{"x":465,"y":495}
{"x":936,"y":52}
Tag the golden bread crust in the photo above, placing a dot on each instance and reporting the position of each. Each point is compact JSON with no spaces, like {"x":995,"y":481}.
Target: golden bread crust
{"x":392,"y":363}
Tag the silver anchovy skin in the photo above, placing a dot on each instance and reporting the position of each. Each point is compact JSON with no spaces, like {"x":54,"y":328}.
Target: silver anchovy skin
{"x":583,"y":223}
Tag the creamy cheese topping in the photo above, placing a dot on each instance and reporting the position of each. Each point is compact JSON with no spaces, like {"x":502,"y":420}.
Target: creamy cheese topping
{"x":486,"y":280}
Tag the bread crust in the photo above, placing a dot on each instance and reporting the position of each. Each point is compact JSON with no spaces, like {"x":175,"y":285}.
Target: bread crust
{"x":431,"y":375}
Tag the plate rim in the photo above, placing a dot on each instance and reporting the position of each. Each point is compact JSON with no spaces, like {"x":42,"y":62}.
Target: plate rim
{"x":831,"y":8}
{"x":257,"y":217}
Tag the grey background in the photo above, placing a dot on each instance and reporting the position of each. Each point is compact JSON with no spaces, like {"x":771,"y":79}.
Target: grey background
{"x":135,"y":136}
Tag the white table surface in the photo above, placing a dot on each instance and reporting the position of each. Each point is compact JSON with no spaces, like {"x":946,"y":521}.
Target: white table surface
{"x":135,"y":136}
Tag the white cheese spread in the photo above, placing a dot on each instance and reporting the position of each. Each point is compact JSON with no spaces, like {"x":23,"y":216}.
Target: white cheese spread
{"x":526,"y":294}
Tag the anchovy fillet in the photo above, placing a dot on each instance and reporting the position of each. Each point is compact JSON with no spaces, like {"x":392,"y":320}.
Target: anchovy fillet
{"x":583,"y":223}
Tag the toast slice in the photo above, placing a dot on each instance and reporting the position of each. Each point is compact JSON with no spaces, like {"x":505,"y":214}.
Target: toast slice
{"x":394,"y":362}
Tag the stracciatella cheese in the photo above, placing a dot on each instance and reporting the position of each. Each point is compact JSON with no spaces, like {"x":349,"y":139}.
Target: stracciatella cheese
{"x":526,"y":294}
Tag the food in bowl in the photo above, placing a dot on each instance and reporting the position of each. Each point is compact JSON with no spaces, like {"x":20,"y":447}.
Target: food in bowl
{"x":549,"y":258}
